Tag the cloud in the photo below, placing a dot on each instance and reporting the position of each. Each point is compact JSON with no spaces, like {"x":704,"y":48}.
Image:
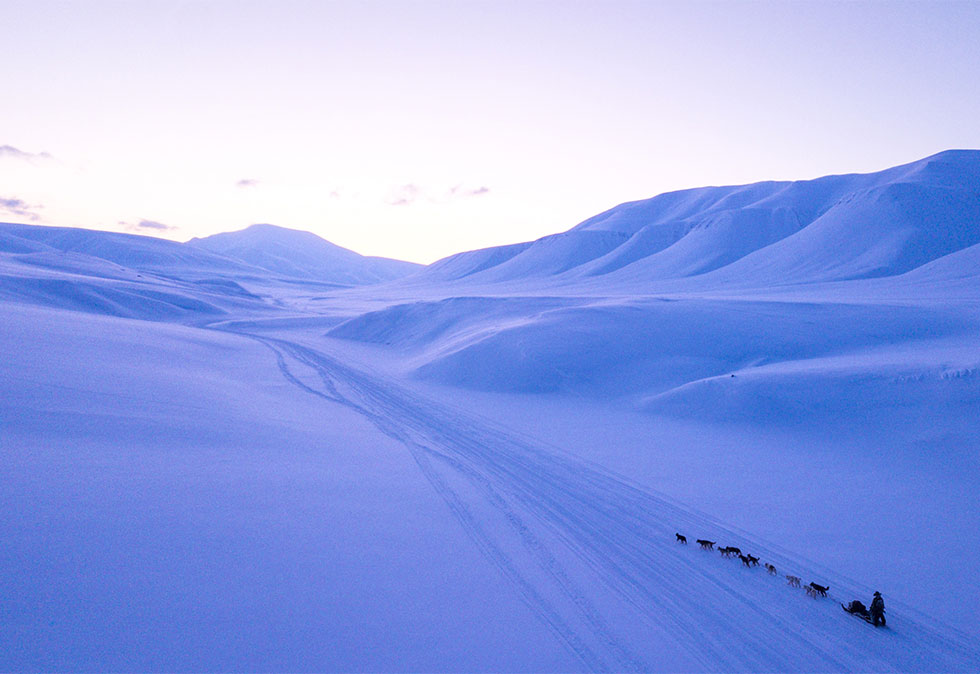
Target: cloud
{"x":20,"y":208}
{"x":11,"y":152}
{"x":152,"y":224}
{"x":144,"y":225}
{"x":403,"y":195}
{"x":247,"y":182}
{"x":459,"y":191}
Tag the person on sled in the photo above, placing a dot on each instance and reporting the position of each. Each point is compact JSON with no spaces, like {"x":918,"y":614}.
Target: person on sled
{"x":878,"y":610}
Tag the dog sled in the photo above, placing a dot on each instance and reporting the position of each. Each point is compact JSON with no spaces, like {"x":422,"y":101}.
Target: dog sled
{"x":857,"y":612}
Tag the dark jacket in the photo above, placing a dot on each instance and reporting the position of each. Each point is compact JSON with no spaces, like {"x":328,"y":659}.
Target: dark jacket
{"x":877,"y":605}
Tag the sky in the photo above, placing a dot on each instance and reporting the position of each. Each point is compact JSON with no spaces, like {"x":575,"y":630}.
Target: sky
{"x":415,"y":130}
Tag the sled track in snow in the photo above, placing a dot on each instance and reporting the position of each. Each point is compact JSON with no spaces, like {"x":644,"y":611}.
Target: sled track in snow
{"x":568,"y":535}
{"x":423,"y":456}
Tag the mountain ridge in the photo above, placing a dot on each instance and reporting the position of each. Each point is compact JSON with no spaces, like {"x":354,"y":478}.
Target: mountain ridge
{"x":302,"y":254}
{"x":258,"y":251}
{"x":768,"y":226}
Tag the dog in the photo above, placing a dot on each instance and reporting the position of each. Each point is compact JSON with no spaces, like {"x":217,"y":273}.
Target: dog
{"x":818,"y":589}
{"x":725,"y":552}
{"x":771,"y":569}
{"x":810,"y":592}
{"x":706,"y":545}
{"x":746,"y":561}
{"x":753,"y":560}
{"x":793,"y":580}
{"x":735,"y":551}
{"x":681,"y":539}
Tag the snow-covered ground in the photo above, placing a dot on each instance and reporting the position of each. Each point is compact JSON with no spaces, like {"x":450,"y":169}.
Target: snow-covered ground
{"x":215,"y":459}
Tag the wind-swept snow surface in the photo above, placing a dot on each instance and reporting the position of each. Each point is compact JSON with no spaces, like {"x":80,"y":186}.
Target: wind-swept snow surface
{"x":482,"y":467}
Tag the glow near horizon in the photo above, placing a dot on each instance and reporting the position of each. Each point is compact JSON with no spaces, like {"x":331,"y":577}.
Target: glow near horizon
{"x":417,"y":130}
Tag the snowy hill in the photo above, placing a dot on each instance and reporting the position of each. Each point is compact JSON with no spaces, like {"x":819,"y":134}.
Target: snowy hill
{"x":157,"y":279}
{"x":837,"y":227}
{"x":299,"y":254}
{"x":126,"y":250}
{"x":897,"y":234}
{"x":119,"y":274}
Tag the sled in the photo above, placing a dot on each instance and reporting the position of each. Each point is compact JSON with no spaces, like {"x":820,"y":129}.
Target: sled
{"x":865,"y":618}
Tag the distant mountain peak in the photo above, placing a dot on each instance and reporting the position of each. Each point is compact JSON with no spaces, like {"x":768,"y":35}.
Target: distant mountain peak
{"x":302,"y":254}
{"x":264,"y":230}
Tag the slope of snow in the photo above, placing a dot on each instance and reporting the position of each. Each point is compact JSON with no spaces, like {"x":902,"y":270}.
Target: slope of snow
{"x":952,"y":276}
{"x":80,"y":282}
{"x":846,"y":227}
{"x":291,"y":252}
{"x":881,"y":232}
{"x":202,"y":521}
{"x":174,"y":502}
{"x":465,"y":264}
{"x":613,"y":348}
{"x":127,"y":250}
{"x":548,"y":256}
{"x":836,"y":227}
{"x":707,"y":243}
{"x":456,"y":319}
{"x":11,"y":243}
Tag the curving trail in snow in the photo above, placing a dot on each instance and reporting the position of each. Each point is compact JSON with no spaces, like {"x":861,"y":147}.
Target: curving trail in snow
{"x":594,"y":555}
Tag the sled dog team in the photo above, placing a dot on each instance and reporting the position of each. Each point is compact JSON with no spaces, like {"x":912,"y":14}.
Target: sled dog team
{"x":876,"y":615}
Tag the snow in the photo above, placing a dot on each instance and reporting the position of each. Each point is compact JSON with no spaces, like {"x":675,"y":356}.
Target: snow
{"x":218,"y":455}
{"x":129,"y":250}
{"x":174,"y":503}
{"x":837,"y":227}
{"x":304,"y":255}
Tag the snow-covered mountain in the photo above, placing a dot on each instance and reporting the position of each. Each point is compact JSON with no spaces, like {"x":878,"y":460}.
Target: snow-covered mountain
{"x":49,"y":245}
{"x":300,"y":254}
{"x":147,"y":277}
{"x":232,"y":454}
{"x":771,"y":233}
{"x":895,"y":234}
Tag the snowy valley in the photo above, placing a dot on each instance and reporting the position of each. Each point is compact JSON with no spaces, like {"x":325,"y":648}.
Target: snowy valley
{"x":261,"y":451}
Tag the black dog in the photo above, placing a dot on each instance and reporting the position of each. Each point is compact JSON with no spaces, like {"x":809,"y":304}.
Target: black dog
{"x":707,"y":545}
{"x":745,"y":560}
{"x":681,"y":539}
{"x":753,"y":560}
{"x":735,"y":551}
{"x":771,"y":569}
{"x":725,"y":552}
{"x":819,"y":589}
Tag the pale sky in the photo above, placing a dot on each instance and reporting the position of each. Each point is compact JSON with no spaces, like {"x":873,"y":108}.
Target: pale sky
{"x":419,"y":129}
